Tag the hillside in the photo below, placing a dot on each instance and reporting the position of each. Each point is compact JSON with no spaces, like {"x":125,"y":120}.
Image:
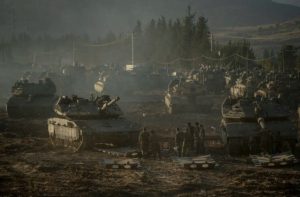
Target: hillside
{"x":101,"y":16}
{"x":291,"y":2}
{"x":263,"y":36}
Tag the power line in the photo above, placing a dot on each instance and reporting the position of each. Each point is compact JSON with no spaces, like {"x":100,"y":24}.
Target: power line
{"x":105,"y":44}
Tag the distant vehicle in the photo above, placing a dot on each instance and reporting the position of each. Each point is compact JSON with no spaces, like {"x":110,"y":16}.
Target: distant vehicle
{"x":129,"y":83}
{"x":187,"y":96}
{"x":32,"y":100}
{"x":283,"y":85}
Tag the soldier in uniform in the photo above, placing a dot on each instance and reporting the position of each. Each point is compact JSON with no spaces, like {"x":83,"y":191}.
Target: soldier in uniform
{"x":179,"y":139}
{"x":187,"y":143}
{"x":144,"y":138}
{"x":154,"y":145}
{"x":191,"y":131}
{"x":202,"y":139}
{"x":197,"y":138}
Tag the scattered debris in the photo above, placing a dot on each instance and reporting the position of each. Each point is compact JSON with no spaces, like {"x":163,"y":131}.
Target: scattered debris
{"x":199,"y":162}
{"x":121,"y":163}
{"x":277,"y":160}
{"x":121,"y":152}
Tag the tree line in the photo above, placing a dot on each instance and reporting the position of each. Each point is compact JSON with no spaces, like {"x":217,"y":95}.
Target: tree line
{"x":160,"y":41}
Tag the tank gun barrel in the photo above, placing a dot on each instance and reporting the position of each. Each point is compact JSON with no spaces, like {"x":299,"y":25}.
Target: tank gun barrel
{"x":261,"y":122}
{"x":106,"y":105}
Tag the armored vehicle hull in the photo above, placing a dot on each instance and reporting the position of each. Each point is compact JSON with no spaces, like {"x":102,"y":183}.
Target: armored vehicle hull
{"x":25,"y":107}
{"x":179,"y":104}
{"x":241,"y":121}
{"x":80,"y":134}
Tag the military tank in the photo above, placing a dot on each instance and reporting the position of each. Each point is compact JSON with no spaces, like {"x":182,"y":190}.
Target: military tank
{"x":84,"y":123}
{"x":245,"y":117}
{"x":32,"y":100}
{"x":187,"y":95}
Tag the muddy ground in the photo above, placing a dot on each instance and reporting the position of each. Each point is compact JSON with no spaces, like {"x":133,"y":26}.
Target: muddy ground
{"x":29,"y":166}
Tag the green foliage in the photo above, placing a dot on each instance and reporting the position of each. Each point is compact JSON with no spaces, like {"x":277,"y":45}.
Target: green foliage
{"x":268,"y":61}
{"x":239,"y":51}
{"x":164,"y":41}
{"x":5,"y":52}
{"x":288,"y":57}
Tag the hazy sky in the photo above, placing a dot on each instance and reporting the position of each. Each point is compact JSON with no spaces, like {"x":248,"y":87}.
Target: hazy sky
{"x":96,"y":17}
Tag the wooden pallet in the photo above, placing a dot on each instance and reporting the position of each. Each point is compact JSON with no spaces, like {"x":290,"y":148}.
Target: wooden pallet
{"x":277,"y":160}
{"x":196,"y":163}
{"x":121,"y":152}
{"x":121,"y":164}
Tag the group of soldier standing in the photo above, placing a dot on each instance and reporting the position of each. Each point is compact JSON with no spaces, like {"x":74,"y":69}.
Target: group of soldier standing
{"x":149,"y":144}
{"x":190,"y":141}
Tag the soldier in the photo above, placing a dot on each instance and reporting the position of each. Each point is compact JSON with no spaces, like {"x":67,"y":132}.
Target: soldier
{"x":202,"y":139}
{"x":144,"y":138}
{"x":191,"y":131}
{"x":187,"y":143}
{"x":179,"y":139}
{"x":154,"y":145}
{"x":197,"y":138}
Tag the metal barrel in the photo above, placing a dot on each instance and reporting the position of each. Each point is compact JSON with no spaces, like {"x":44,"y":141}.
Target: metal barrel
{"x":106,"y":105}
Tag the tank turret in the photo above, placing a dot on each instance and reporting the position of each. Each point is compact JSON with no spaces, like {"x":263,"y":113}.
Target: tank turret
{"x":106,"y":105}
{"x":82,"y":108}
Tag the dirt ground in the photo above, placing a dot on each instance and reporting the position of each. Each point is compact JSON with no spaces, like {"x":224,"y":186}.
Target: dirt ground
{"x":30,"y":167}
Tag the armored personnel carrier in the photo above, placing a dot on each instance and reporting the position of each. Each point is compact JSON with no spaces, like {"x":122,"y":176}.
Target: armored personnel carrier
{"x":187,"y":95}
{"x":32,"y":100}
{"x":82,"y":123}
{"x":133,"y":84}
{"x":283,"y":85}
{"x":245,"y":117}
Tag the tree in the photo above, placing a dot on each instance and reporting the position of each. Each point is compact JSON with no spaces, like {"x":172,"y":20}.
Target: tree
{"x":187,"y":34}
{"x":138,"y":28}
{"x":288,"y":57}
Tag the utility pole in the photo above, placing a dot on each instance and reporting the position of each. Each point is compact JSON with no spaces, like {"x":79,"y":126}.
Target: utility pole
{"x":283,"y":53}
{"x":132,"y":49}
{"x":211,"y":42}
{"x":73,"y":53}
{"x":247,"y":61}
{"x":13,"y":22}
{"x":34,"y":59}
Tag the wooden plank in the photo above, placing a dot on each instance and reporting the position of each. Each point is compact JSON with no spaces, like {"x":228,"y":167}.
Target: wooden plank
{"x":199,"y":162}
{"x":278,"y":160}
{"x":121,"y":164}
